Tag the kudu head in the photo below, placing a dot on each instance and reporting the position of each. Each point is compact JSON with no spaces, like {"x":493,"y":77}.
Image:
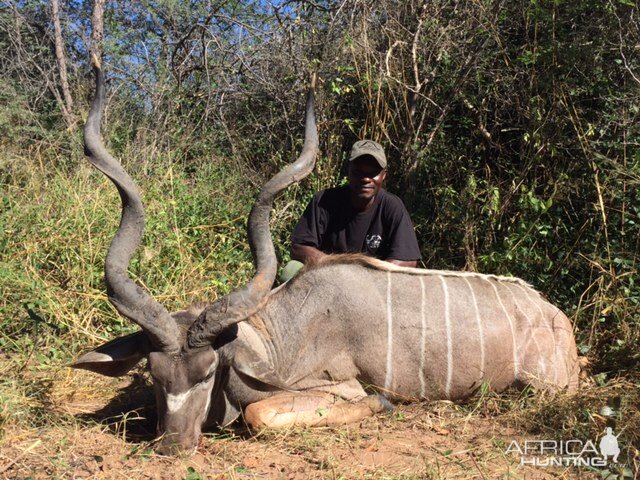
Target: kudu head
{"x":180,"y":347}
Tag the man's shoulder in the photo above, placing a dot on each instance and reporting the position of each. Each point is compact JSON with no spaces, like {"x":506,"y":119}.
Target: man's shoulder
{"x":387,"y":196}
{"x":341,"y":191}
{"x":391,"y":202}
{"x":331,"y":197}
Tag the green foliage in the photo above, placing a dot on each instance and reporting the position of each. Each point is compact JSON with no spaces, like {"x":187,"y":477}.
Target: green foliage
{"x":59,"y":223}
{"x":192,"y":474}
{"x":511,"y":128}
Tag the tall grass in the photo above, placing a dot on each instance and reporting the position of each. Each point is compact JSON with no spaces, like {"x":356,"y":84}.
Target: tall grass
{"x":58,"y":222}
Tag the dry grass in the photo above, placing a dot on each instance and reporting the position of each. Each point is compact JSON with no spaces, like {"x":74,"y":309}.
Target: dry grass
{"x":83,"y":425}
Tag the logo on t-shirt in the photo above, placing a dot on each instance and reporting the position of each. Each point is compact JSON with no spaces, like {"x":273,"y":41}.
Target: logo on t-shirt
{"x":373,"y":242}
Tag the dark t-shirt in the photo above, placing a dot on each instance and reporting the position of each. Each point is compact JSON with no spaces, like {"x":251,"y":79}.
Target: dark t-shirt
{"x":331,"y":225}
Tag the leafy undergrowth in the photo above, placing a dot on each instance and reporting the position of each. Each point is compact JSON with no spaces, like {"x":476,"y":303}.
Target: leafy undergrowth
{"x":57,"y":223}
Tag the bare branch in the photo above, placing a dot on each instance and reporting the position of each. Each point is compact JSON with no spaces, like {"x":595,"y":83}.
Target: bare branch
{"x":67,"y":105}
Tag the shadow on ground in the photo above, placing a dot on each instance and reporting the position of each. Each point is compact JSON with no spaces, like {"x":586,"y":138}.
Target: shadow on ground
{"x":130,"y":414}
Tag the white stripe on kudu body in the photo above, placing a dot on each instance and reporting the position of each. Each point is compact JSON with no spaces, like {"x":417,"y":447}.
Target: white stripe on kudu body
{"x":511,"y":326}
{"x":532,"y":333}
{"x":480,"y":331}
{"x":423,"y":340}
{"x":447,"y":322}
{"x":388,"y":378}
{"x":553,"y":337}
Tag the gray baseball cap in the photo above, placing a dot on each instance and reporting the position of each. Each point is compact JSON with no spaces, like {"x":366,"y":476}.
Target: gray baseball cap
{"x":369,"y":147}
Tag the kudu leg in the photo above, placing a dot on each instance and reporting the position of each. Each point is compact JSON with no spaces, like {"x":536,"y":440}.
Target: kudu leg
{"x":310,"y":409}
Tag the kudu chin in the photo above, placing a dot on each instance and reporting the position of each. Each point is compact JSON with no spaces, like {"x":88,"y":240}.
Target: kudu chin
{"x":299,"y":354}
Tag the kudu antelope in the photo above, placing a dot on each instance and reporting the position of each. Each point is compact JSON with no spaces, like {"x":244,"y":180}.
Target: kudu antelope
{"x":299,"y":354}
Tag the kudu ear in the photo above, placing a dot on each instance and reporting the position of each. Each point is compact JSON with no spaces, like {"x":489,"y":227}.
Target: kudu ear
{"x":117,"y":357}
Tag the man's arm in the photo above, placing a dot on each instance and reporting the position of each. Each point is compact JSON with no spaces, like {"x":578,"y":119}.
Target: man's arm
{"x":403,"y":243}
{"x":307,"y":234}
{"x":402,"y":263}
{"x":306,"y":253}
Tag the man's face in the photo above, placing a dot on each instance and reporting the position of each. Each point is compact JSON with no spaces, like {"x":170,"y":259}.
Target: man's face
{"x":365,"y":177}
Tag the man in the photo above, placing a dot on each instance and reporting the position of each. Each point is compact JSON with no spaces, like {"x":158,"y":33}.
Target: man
{"x":358,"y":217}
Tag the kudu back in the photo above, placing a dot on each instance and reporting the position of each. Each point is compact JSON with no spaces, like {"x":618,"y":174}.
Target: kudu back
{"x":300,"y":354}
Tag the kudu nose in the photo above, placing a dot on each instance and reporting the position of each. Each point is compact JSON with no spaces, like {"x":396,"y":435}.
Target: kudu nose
{"x":175,"y":445}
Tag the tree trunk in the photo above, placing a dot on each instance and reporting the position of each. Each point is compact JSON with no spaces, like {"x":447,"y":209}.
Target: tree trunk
{"x":67,"y":104}
{"x":97,"y":25}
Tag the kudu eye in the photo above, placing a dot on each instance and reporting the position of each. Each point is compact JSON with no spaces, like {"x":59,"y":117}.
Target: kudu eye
{"x":202,"y":366}
{"x":206,"y":374}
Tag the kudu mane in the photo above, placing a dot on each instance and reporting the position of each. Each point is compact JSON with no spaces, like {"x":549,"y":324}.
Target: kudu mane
{"x":376,"y":264}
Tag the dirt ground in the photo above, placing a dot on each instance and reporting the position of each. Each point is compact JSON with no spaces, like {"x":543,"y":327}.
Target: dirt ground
{"x":95,"y":434}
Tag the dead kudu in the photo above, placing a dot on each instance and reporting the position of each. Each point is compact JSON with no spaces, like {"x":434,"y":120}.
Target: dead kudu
{"x":297,"y":355}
